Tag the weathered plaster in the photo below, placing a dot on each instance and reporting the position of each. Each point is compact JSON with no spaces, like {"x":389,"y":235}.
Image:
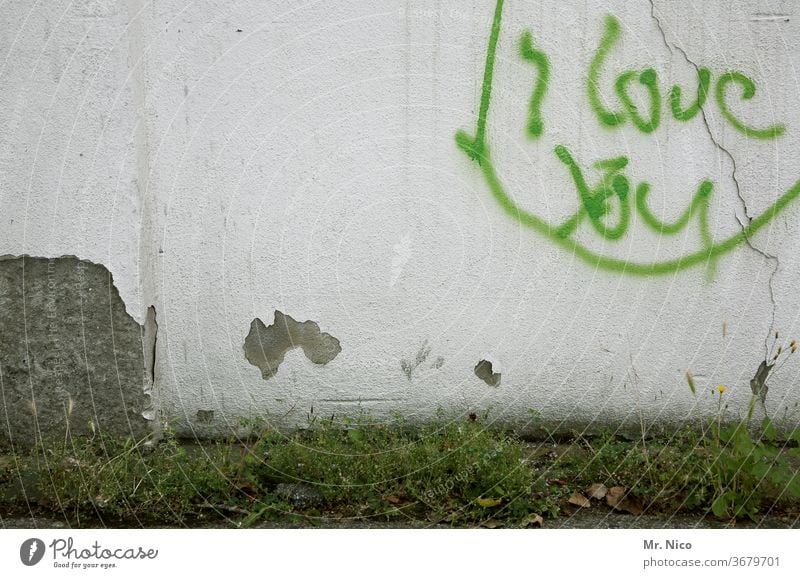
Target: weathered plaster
{"x":227,"y":160}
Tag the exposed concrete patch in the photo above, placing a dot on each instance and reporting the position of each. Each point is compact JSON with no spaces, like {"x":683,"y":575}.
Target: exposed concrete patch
{"x":409,"y":365}
{"x":149,"y":336}
{"x":758,"y":384}
{"x":489,"y":371}
{"x":265,"y":347}
{"x":71,"y":358}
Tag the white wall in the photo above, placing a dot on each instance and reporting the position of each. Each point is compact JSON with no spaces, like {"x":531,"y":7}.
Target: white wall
{"x":228,"y":159}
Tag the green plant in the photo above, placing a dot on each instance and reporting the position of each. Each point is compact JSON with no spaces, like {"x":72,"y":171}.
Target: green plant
{"x":663,"y":474}
{"x":457,"y":470}
{"x":125,"y":479}
{"x":748,"y":466}
{"x":747,"y":469}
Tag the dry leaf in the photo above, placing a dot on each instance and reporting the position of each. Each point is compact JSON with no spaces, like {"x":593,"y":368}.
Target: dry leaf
{"x":597,"y":491}
{"x":617,"y":499}
{"x":533,"y":520}
{"x":578,"y":499}
{"x":489,"y":502}
{"x":614,"y":496}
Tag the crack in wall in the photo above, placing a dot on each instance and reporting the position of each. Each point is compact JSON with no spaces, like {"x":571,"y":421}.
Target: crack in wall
{"x":672,"y":47}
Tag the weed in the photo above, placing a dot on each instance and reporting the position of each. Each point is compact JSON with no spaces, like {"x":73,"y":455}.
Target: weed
{"x":749,"y":467}
{"x":456,"y":471}
{"x":665,"y":475}
{"x":124,"y":480}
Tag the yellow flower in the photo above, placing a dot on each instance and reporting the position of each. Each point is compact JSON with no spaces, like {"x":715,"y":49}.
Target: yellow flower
{"x":721,"y":388}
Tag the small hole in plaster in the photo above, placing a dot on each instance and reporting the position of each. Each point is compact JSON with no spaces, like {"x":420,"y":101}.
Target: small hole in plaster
{"x":485,"y":372}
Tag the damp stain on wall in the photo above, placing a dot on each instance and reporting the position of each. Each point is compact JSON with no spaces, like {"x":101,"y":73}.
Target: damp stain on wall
{"x":410,"y":365}
{"x":266,"y":346}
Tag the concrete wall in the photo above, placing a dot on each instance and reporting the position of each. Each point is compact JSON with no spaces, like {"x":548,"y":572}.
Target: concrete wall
{"x":288,"y":215}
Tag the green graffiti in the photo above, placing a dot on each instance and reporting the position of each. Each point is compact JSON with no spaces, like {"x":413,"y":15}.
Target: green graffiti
{"x":749,"y":90}
{"x":703,"y":82}
{"x":610,"y":36}
{"x":647,"y":78}
{"x":614,"y":187}
{"x":699,"y":202}
{"x":474,"y":147}
{"x":539,"y":59}
{"x":595,"y":203}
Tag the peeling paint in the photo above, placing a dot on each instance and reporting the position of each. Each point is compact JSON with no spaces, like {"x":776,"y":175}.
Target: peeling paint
{"x":265,"y":347}
{"x":488,"y":370}
{"x":758,"y":385}
{"x":149,"y":336}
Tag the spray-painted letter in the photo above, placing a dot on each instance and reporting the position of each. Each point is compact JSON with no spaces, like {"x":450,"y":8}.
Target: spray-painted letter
{"x":539,"y":59}
{"x":610,"y":36}
{"x":749,"y":90}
